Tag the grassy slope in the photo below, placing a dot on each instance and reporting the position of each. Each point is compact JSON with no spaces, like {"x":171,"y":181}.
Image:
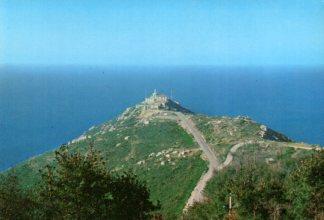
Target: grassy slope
{"x":130,"y":142}
{"x":223,"y":132}
{"x":150,"y":150}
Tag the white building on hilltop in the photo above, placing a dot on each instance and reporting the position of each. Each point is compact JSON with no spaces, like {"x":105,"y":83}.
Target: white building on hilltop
{"x":156,"y":101}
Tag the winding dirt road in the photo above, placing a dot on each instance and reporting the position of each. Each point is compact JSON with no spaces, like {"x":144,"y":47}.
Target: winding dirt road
{"x":229,"y":157}
{"x":214,"y":164}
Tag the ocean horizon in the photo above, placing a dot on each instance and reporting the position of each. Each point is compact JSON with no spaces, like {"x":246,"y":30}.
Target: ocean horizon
{"x":42,"y":107}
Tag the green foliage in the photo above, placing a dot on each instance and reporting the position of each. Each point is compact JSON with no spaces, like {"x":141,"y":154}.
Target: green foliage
{"x":80,"y":187}
{"x":77,"y":187}
{"x":163,"y":181}
{"x":173,"y":184}
{"x":255,"y":188}
{"x":305,"y":188}
{"x":258,"y":190}
{"x":142,"y":140}
{"x":261,"y":191}
{"x":122,"y":155}
{"x":14,"y":203}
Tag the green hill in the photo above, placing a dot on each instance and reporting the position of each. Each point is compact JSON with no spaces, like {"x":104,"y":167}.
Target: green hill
{"x":154,"y":142}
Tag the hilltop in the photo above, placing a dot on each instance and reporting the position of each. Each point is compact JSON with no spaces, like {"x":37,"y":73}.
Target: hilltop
{"x":177,"y":152}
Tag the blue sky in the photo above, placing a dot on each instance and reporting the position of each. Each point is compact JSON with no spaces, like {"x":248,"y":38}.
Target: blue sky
{"x":164,"y":32}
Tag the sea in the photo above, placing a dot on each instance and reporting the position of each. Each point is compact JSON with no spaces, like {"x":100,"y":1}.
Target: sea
{"x":42,"y":107}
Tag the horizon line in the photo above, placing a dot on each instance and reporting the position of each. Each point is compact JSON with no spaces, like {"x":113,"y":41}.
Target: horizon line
{"x":163,"y":65}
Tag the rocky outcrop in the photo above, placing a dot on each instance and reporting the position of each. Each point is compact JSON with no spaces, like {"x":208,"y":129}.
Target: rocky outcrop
{"x":269,"y":134}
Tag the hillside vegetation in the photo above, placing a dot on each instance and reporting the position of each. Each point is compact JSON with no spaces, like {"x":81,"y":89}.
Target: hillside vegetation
{"x":148,"y":140}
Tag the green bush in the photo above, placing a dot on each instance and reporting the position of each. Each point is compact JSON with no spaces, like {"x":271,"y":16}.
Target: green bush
{"x":77,"y":187}
{"x":261,"y":191}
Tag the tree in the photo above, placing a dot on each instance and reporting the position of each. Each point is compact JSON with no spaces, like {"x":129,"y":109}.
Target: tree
{"x":132,"y":197}
{"x":80,"y":187}
{"x":14,"y":203}
{"x":256,"y":191}
{"x":262,"y":191}
{"x":305,"y":188}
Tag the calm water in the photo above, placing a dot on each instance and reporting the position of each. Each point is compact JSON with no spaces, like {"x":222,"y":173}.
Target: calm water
{"x":43,"y":107}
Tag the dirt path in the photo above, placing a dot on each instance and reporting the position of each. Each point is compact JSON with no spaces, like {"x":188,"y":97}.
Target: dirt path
{"x":197,"y":193}
{"x":229,"y":157}
{"x":302,"y":146}
{"x":190,"y":127}
{"x":214,"y":164}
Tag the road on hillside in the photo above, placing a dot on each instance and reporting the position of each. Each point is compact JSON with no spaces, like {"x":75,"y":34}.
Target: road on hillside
{"x":197,"y":193}
{"x":214,"y":164}
{"x":190,"y":127}
{"x":229,"y":157}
